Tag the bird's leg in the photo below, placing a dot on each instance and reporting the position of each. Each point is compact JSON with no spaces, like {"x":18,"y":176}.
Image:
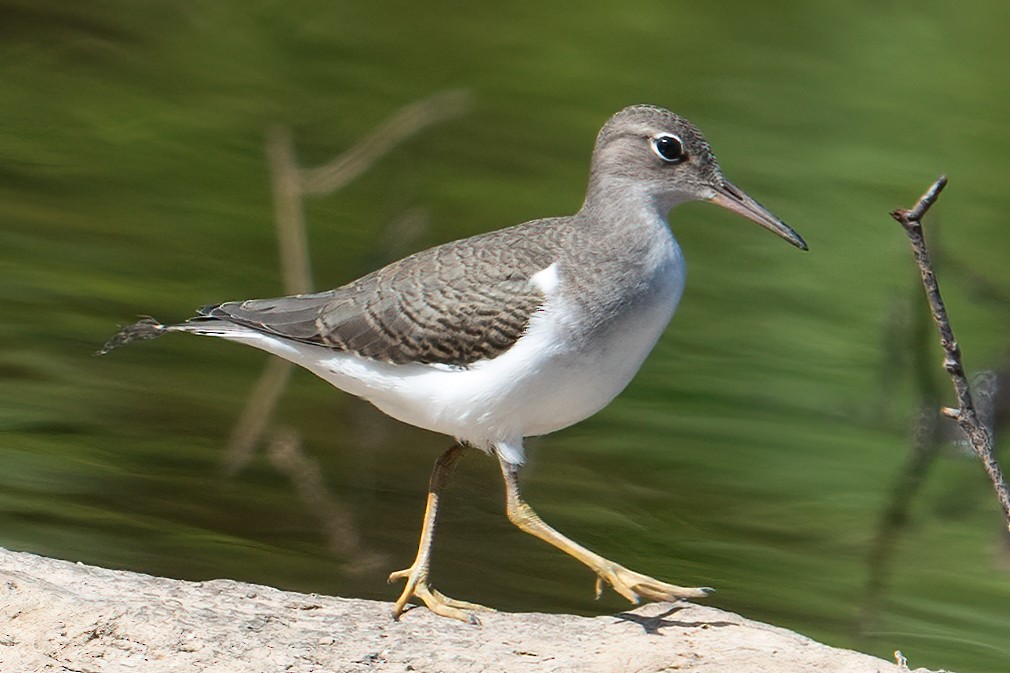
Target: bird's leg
{"x":633,"y":586}
{"x":417,"y":574}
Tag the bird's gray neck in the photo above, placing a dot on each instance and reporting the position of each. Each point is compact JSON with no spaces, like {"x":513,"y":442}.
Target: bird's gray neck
{"x":623,"y":253}
{"x":612,"y":199}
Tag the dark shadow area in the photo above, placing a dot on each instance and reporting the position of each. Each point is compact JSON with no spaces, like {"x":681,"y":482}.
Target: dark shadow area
{"x":653,"y":625}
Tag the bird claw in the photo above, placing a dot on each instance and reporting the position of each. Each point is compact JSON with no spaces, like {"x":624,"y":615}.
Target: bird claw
{"x":636,"y":586}
{"x":437,"y":602}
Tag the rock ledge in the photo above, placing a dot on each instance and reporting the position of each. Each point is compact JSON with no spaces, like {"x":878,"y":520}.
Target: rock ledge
{"x":63,"y":616}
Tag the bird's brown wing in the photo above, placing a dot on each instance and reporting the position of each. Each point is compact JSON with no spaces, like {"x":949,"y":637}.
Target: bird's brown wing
{"x":455,"y":304}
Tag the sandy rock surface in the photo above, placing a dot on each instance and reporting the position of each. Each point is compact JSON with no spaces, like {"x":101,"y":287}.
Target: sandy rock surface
{"x":63,"y":616}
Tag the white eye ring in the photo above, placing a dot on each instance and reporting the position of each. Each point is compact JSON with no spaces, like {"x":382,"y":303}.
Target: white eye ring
{"x":669,"y":148}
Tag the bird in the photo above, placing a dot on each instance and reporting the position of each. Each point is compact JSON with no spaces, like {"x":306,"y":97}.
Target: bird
{"x":512,"y":333}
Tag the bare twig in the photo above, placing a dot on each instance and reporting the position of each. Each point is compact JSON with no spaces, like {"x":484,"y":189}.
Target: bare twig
{"x":290,"y":184}
{"x":255,"y":418}
{"x":979,"y":435}
{"x":296,"y":271}
{"x":408,"y":121}
{"x":894,"y":517}
{"x":286,"y":454}
{"x":287,"y":187}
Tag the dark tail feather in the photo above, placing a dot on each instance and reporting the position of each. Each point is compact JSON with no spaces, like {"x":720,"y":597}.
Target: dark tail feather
{"x":148,"y":328}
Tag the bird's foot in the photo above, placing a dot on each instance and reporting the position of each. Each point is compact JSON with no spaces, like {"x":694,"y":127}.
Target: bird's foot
{"x":636,"y":586}
{"x":437,"y":602}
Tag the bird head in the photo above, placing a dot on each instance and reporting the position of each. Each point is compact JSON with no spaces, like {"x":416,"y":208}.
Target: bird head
{"x":664,"y":158}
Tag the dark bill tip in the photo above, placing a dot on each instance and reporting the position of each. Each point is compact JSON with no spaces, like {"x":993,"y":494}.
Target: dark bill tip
{"x":731,"y":198}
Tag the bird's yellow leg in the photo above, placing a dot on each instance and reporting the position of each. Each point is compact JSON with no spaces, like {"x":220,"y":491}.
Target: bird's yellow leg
{"x":633,"y":586}
{"x":417,"y":574}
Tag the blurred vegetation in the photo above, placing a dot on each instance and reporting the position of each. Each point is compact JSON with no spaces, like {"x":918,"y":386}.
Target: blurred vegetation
{"x":753,"y":453}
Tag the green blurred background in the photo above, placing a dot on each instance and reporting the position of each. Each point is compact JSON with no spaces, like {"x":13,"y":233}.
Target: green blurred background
{"x":756,"y":452}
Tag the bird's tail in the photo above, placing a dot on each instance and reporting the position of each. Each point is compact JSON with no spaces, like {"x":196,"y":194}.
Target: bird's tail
{"x":146,"y":328}
{"x":149,"y":328}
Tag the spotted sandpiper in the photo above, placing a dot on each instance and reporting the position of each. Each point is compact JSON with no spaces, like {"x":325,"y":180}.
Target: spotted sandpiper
{"x":513,"y":333}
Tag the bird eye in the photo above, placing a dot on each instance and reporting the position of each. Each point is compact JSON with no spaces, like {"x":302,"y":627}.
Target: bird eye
{"x":669,"y":148}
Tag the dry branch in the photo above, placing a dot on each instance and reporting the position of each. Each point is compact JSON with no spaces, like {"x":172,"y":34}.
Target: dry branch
{"x":405,"y":123}
{"x":286,"y":454}
{"x":290,"y":184}
{"x":978,"y":434}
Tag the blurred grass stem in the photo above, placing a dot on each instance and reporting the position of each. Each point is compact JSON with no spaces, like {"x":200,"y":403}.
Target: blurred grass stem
{"x":290,"y":184}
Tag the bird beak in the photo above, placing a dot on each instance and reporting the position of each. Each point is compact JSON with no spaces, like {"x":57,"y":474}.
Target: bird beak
{"x":731,"y":198}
